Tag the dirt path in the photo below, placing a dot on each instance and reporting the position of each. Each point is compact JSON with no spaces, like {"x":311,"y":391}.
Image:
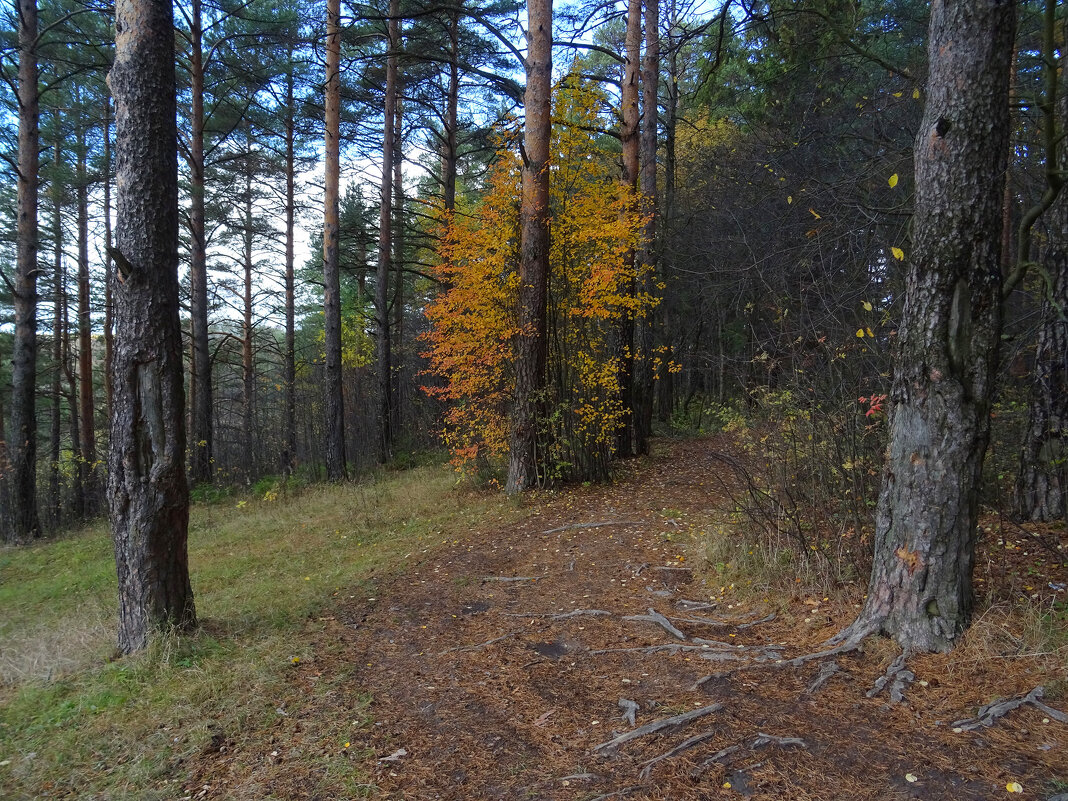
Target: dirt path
{"x":499,"y":665}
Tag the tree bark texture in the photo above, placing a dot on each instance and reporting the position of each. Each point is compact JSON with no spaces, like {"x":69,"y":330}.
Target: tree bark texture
{"x":147,"y":487}
{"x":921,"y":591}
{"x":23,"y":435}
{"x":397,"y":332}
{"x":385,"y":242}
{"x":201,"y":421}
{"x":55,"y":427}
{"x":334,"y":402}
{"x":87,"y":467}
{"x":1042,"y":484}
{"x":531,"y":346}
{"x":647,"y":255}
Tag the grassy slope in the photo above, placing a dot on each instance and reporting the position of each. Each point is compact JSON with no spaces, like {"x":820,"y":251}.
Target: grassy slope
{"x":75,"y":724}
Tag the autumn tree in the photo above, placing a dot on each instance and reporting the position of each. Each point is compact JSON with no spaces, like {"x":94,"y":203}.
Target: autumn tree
{"x":147,"y":487}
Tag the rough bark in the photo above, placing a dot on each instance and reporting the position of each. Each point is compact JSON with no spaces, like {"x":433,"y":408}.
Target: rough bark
{"x":647,"y":255}
{"x":23,"y":435}
{"x":385,"y":242}
{"x":334,"y":402}
{"x":109,"y":265}
{"x":631,"y":145}
{"x":397,"y":347}
{"x":448,"y":154}
{"x":921,"y":591}
{"x":147,"y":489}
{"x":201,"y":428}
{"x":55,"y":428}
{"x":248,"y":367}
{"x":1042,"y":484}
{"x":531,"y":342}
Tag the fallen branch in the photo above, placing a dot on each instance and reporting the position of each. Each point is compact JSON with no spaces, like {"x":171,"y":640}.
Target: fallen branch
{"x":991,"y":712}
{"x":685,"y":745}
{"x":673,"y":722}
{"x":574,"y":526}
{"x":659,"y":620}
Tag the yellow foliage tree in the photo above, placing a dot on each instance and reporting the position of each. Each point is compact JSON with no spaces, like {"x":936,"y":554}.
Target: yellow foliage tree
{"x":471,"y":341}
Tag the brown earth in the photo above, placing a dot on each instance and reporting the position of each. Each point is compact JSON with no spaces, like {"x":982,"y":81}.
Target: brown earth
{"x":494,"y":667}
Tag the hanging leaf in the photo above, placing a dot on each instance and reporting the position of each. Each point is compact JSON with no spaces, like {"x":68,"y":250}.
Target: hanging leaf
{"x":789,"y":199}
{"x":893,"y":180}
{"x":899,"y":254}
{"x":860,"y":333}
{"x":915,"y":94}
{"x":814,"y":214}
{"x":866,"y":305}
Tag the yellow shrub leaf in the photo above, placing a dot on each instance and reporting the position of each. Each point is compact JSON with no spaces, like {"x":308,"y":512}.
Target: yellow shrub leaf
{"x":893,"y":180}
{"x":899,"y":254}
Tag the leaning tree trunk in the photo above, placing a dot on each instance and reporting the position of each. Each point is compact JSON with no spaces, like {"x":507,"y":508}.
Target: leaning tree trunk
{"x":23,"y":442}
{"x":334,"y":403}
{"x":533,"y":251}
{"x":920,"y":591}
{"x":147,"y":488}
{"x":1042,"y":485}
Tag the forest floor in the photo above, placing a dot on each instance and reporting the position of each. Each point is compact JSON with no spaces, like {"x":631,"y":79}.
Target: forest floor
{"x":499,"y":664}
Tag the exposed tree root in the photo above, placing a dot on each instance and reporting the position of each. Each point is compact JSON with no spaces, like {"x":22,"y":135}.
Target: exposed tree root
{"x":513,"y":578}
{"x":827,"y":669}
{"x":479,"y":645}
{"x":618,"y":793}
{"x":694,"y":606}
{"x":658,"y":619}
{"x":685,"y":745}
{"x":673,"y":722}
{"x":760,"y":741}
{"x":897,"y":676}
{"x":700,"y":620}
{"x":991,"y":712}
{"x":630,"y":710}
{"x":766,"y":661}
{"x":563,"y":615}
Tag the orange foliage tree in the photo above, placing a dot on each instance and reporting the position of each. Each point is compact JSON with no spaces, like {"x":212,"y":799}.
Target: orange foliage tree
{"x":471,"y":340}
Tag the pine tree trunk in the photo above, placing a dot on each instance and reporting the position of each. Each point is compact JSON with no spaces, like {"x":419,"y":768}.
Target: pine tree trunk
{"x":334,"y":403}
{"x":396,"y":349}
{"x":448,"y":156}
{"x":289,"y":453}
{"x":109,"y":266}
{"x":385,"y":242}
{"x":647,"y":256}
{"x":921,"y":591}
{"x":55,"y":429}
{"x":23,"y":442}
{"x":248,"y":368}
{"x":147,"y":489}
{"x":86,"y":410}
{"x":201,"y":422}
{"x":533,"y":252}
{"x":631,"y":145}
{"x":1042,"y":484}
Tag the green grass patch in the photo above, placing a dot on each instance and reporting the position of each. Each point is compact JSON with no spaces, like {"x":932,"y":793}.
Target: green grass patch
{"x":76,"y":723}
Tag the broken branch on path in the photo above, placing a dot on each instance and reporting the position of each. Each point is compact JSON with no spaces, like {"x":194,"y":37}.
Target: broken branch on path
{"x":991,"y":712}
{"x":673,"y":722}
{"x":574,"y":526}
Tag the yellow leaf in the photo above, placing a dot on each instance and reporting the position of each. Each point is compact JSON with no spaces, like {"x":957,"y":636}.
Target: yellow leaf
{"x":1014,"y":787}
{"x":860,"y":333}
{"x":893,"y":180}
{"x":869,"y":333}
{"x":899,"y":254}
{"x":915,"y":94}
{"x":866,"y":305}
{"x":814,"y":214}
{"x":897,"y":94}
{"x":789,"y":199}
